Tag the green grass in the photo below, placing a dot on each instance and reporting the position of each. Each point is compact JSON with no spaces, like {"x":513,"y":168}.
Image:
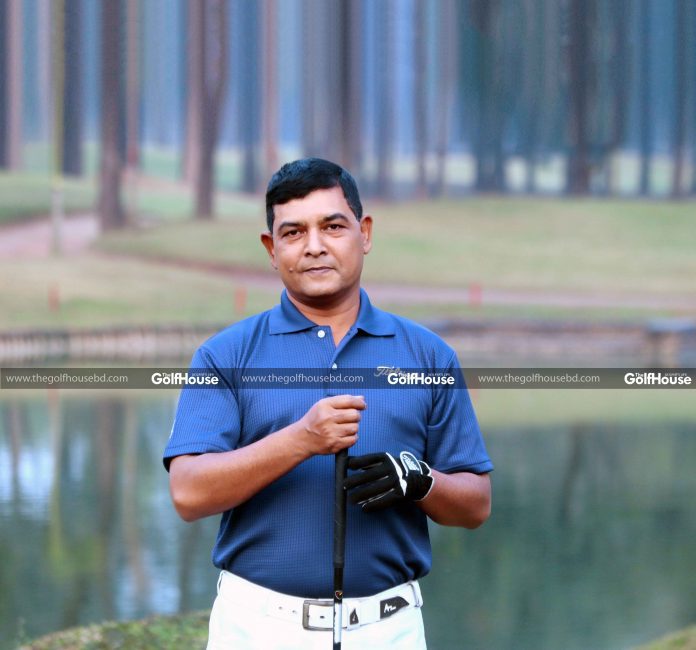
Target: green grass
{"x":518,"y":243}
{"x":102,"y":292}
{"x":29,"y":195}
{"x":497,"y":408}
{"x":682,"y":640}
{"x":463,"y":310}
{"x":188,"y":631}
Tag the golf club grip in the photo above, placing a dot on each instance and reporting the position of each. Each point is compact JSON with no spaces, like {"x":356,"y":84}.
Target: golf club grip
{"x":339,"y":551}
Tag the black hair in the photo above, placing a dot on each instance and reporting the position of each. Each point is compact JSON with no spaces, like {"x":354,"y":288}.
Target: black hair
{"x":297,"y":179}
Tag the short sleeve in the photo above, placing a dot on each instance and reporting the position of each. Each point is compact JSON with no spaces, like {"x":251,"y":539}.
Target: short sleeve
{"x":207,"y":418}
{"x":455,"y":443}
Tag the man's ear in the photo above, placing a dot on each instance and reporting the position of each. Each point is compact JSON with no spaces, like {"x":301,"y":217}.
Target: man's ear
{"x":366,"y":231}
{"x":267,"y":241}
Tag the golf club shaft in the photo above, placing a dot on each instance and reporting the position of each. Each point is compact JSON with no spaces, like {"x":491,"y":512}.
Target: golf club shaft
{"x":339,"y":545}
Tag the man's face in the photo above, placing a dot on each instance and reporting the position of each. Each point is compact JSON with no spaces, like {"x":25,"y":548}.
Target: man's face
{"x":318,"y":246}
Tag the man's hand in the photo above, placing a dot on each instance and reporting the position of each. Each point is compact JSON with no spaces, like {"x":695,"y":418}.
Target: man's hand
{"x":332,"y":424}
{"x":383,"y":480}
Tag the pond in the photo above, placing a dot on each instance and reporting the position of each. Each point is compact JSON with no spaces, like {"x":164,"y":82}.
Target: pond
{"x":590,"y":545}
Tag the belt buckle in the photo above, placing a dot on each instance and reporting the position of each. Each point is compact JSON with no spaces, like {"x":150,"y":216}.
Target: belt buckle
{"x":305,"y":613}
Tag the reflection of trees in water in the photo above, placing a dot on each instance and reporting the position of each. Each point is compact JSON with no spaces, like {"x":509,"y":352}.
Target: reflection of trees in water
{"x":129,"y":498}
{"x":15,"y":425}
{"x":86,"y":518}
{"x":614,"y":569}
{"x":584,"y":517}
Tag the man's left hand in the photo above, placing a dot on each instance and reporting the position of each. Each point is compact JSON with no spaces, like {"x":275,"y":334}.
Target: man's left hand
{"x":382,"y":480}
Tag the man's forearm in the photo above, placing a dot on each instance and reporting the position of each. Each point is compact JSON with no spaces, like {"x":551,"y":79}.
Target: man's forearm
{"x":461,"y":499}
{"x":209,"y":484}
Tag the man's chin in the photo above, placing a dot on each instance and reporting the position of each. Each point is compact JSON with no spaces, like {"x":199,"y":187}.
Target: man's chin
{"x":319,"y":291}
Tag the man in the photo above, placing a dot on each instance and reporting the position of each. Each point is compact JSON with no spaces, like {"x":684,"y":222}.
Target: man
{"x":263,"y":457}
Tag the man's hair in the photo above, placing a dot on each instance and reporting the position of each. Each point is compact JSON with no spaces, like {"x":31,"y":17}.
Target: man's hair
{"x":297,"y":179}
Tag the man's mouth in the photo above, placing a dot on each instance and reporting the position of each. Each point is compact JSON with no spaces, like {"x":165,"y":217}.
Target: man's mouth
{"x":317,"y":270}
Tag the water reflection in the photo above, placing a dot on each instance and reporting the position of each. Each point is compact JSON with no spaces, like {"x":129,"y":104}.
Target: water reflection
{"x":590,"y":544}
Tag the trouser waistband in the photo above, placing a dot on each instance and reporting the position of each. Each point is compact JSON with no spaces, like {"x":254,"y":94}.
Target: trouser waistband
{"x":317,"y":614}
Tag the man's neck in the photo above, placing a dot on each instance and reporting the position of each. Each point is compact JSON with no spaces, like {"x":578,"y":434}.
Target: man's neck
{"x":338,"y":314}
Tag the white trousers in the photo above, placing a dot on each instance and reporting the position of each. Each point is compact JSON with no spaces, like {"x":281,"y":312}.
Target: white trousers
{"x":238,"y":623}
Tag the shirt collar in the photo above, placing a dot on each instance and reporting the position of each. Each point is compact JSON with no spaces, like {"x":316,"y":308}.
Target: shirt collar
{"x":286,"y":318}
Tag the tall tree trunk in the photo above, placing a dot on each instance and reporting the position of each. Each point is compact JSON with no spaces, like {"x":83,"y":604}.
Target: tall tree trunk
{"x":681,"y":98}
{"x":447,"y":48}
{"x":269,"y":104}
{"x":111,"y":211}
{"x":534,"y":72}
{"x":249,"y":109}
{"x":581,"y":24}
{"x":133,"y":62}
{"x":644,"y":102}
{"x":420,"y":96}
{"x":44,"y":25}
{"x":14,"y":83}
{"x":620,"y":76}
{"x":489,"y":164}
{"x":349,"y":136}
{"x":72,"y":95}
{"x":385,"y":104}
{"x":194,"y":116}
{"x":4,"y":95}
{"x":214,"y":77}
{"x":310,"y":51}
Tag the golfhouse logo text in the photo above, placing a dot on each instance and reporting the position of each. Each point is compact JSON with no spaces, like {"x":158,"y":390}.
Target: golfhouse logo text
{"x":396,"y":376}
{"x":657,"y":379}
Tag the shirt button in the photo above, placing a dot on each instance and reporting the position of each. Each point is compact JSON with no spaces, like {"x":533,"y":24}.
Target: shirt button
{"x":334,"y":366}
{"x":321,"y":334}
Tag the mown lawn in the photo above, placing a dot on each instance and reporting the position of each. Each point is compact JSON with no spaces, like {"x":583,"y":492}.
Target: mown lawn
{"x":29,"y":195}
{"x":519,"y":243}
{"x":92,"y":291}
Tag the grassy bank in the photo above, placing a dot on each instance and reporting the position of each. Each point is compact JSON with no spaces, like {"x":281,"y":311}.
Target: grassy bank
{"x":29,"y":195}
{"x":503,"y":242}
{"x":682,"y":640}
{"x":189,"y":631}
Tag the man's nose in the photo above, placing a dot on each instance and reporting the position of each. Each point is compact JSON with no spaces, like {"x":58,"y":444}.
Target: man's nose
{"x":314,"y":242}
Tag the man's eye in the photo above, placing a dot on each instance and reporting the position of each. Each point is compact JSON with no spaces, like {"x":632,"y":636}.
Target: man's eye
{"x":334,"y":226}
{"x":291,"y":233}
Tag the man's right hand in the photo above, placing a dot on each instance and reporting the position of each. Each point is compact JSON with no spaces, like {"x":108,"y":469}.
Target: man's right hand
{"x":332,"y":424}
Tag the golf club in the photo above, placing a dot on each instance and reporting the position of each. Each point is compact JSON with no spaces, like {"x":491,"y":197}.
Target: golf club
{"x":339,"y":547}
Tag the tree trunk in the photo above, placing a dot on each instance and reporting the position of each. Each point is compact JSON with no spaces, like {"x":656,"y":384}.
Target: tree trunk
{"x":133,"y":64}
{"x":72,"y":94}
{"x":620,"y":77}
{"x":385,"y":112}
{"x":580,"y":72}
{"x":110,"y":208}
{"x":489,"y":164}
{"x":196,"y":47}
{"x":420,"y":96}
{"x":3,"y":84}
{"x":269,"y":104}
{"x":14,"y":83}
{"x":249,"y":108}
{"x":350,"y":87}
{"x":311,"y":50}
{"x":681,"y":98}
{"x":534,"y":72}
{"x":644,"y":110}
{"x":446,"y":86}
{"x":213,"y":74}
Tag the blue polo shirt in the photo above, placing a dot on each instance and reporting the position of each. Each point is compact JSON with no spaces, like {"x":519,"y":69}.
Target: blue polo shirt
{"x":282,"y":537}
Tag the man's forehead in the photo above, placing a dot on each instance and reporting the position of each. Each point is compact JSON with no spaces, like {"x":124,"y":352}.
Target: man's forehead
{"x":317,"y":205}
